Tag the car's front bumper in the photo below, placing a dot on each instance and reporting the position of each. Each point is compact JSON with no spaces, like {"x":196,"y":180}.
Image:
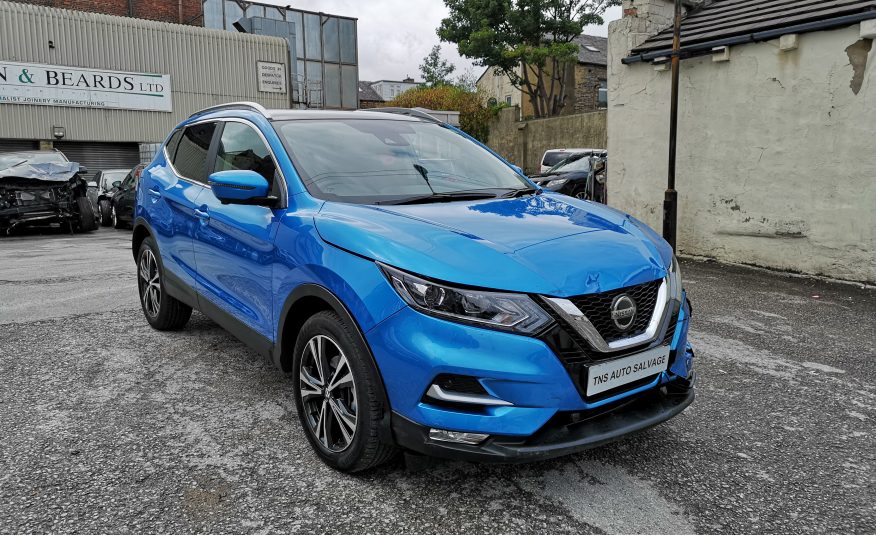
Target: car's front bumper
{"x":562,"y":435}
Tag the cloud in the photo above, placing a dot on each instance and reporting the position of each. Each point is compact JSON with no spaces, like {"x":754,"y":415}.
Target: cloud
{"x":395,"y":35}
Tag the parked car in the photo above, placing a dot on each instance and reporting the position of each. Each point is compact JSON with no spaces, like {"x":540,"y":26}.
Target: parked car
{"x":582,"y":175}
{"x":423,"y":294}
{"x":123,"y":198}
{"x":105,"y":189}
{"x":42,"y":188}
{"x":552,"y":157}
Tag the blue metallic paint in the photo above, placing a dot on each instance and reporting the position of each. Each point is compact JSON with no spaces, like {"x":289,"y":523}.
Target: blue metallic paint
{"x":247,"y":260}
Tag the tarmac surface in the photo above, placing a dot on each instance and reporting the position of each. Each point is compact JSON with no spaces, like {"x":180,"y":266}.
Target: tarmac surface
{"x":107,"y":426}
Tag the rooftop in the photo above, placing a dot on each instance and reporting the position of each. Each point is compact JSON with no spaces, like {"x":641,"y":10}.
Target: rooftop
{"x":592,"y":49}
{"x":755,"y":20}
{"x":367,"y":93}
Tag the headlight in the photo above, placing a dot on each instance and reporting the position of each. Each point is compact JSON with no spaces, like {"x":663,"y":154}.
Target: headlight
{"x":556,"y":183}
{"x":495,"y":310}
{"x":675,"y":279}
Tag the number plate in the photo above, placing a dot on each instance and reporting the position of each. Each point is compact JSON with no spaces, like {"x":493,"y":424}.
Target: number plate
{"x":615,"y":373}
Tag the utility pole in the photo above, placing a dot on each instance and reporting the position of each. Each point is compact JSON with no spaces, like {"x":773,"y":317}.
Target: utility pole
{"x":670,"y":198}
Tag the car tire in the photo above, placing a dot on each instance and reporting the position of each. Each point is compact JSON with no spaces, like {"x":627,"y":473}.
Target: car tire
{"x":106,"y":216}
{"x":324,"y":400}
{"x":117,"y":223}
{"x":163,"y":312}
{"x":87,"y":220}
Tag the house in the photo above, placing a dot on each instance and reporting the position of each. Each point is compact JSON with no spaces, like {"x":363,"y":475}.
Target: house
{"x":585,"y":87}
{"x":389,"y":89}
{"x":368,"y":97}
{"x":776,"y":127}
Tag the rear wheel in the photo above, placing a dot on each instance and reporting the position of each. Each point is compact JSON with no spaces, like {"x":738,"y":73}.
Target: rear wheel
{"x":162,"y":311}
{"x":106,"y":216}
{"x":337,"y":392}
{"x":87,"y":219}
{"x":117,"y":223}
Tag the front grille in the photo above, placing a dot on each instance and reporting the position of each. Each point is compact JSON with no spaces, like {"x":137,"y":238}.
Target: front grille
{"x":597,"y":308}
{"x":577,"y":356}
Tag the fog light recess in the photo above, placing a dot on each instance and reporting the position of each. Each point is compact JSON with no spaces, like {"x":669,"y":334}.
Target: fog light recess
{"x":458,"y":437}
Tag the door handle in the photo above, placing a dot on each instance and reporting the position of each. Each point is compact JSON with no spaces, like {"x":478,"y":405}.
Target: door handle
{"x":155,"y":192}
{"x":202,"y":214}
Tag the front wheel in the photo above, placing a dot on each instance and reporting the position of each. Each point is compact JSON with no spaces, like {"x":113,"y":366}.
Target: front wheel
{"x":106,"y":216}
{"x":162,"y":311}
{"x":87,"y":219}
{"x":338,"y":395}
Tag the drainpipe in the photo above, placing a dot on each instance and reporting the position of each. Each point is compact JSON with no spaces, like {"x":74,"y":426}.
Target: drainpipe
{"x":670,"y":198}
{"x":179,"y":6}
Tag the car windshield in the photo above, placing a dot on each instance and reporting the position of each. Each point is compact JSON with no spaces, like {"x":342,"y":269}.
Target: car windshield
{"x":553,"y":158}
{"x":13,"y":159}
{"x":370,"y":161}
{"x":575,"y":163}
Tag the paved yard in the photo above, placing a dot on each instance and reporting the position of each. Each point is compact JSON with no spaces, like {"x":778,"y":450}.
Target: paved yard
{"x":107,"y":426}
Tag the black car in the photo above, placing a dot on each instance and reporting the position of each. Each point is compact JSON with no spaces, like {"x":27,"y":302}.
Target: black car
{"x":581,"y":175}
{"x":105,"y":189}
{"x":124,"y":197}
{"x":42,"y":188}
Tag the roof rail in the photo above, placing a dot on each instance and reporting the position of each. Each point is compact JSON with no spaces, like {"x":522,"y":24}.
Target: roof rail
{"x":419,"y":113}
{"x":236,"y":106}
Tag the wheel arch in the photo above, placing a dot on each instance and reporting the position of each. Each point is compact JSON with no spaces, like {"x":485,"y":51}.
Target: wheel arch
{"x":141,"y":232}
{"x":305,"y":301}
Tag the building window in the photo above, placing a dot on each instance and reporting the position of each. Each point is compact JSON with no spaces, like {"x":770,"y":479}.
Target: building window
{"x":508,"y":99}
{"x":602,"y":100}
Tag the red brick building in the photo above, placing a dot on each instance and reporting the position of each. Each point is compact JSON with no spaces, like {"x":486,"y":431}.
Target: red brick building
{"x":176,"y":11}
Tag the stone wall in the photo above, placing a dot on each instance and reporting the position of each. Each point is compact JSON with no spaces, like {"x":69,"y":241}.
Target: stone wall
{"x":587,"y":78}
{"x":523,"y":142}
{"x":776,"y":159}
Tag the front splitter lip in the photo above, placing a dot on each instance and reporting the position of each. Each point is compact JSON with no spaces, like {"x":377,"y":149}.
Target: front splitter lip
{"x":639,"y":414}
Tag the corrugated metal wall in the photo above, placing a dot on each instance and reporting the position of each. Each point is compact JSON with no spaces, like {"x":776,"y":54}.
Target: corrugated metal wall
{"x":206,"y":67}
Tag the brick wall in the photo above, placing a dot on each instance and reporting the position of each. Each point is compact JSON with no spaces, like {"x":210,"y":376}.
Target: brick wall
{"x":587,"y":79}
{"x":161,"y":10}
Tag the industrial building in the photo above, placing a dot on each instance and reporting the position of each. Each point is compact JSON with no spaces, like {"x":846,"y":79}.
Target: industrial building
{"x":105,"y":89}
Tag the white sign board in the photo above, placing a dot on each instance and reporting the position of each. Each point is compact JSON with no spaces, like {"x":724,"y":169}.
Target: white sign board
{"x":272,"y":77}
{"x":58,"y":85}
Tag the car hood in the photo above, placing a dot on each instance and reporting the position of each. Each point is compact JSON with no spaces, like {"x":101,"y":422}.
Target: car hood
{"x":47,"y":172}
{"x":546,"y":244}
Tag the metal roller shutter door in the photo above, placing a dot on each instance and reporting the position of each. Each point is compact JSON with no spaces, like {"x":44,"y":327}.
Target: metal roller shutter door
{"x":97,"y":156}
{"x":12,"y":145}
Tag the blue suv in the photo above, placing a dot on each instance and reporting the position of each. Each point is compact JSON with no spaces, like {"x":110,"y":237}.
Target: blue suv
{"x":424,"y":295}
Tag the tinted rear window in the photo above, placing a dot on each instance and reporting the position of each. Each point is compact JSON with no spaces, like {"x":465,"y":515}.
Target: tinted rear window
{"x":191,"y":155}
{"x":553,"y":158}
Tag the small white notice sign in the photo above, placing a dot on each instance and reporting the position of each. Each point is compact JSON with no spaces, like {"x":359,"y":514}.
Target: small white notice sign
{"x":272,"y":77}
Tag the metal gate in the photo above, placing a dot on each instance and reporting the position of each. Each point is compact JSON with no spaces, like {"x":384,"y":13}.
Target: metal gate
{"x":97,"y":156}
{"x":13,"y":145}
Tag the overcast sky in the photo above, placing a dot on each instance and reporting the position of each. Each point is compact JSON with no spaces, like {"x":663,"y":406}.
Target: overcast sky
{"x":395,"y":35}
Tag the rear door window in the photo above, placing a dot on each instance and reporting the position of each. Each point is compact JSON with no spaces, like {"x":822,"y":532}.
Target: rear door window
{"x":191,"y":154}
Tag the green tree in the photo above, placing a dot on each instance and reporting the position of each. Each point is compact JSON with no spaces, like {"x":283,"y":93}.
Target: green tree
{"x":529,"y":41}
{"x":474,"y":115}
{"x":436,"y":70}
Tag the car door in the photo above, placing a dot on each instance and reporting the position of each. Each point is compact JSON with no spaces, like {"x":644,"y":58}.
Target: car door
{"x":127,"y":196}
{"x":234,"y":243}
{"x":169,"y":189}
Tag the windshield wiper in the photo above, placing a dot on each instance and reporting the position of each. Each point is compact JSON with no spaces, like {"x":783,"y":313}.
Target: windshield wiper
{"x":521,"y":192}
{"x":442,"y":197}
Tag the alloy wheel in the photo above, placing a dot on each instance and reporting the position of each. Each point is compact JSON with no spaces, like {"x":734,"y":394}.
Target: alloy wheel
{"x":150,"y":283}
{"x":328,"y":393}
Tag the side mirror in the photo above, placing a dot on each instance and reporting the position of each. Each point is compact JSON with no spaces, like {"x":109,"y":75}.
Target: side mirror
{"x":117,"y":183}
{"x":240,"y":187}
{"x":518,"y":169}
{"x":92,"y":184}
{"x":83,"y":170}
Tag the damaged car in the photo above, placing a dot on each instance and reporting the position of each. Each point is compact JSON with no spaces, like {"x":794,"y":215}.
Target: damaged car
{"x":43,"y":188}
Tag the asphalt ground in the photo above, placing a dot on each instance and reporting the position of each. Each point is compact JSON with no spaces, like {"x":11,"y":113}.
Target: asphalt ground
{"x":107,"y":426}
